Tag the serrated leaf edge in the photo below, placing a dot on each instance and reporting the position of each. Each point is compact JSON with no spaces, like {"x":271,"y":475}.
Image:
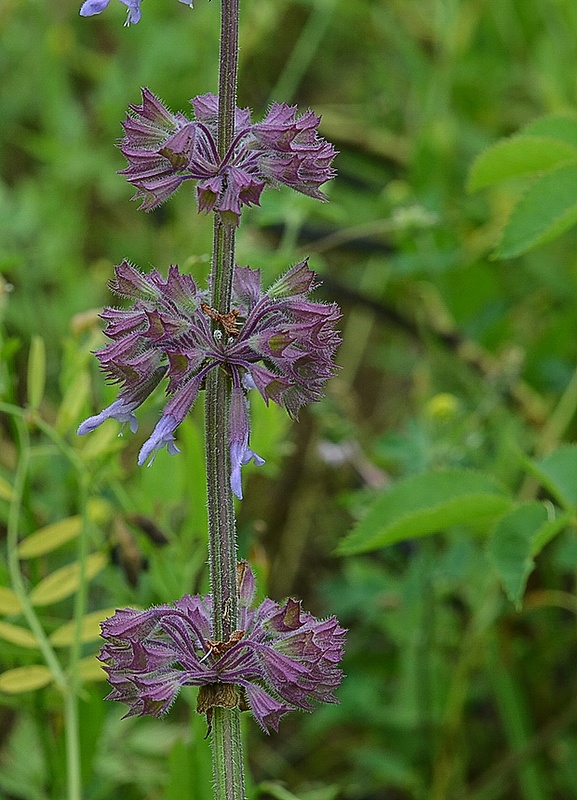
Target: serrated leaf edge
{"x":541,"y":238}
{"x":500,"y":143}
{"x":499,"y":490}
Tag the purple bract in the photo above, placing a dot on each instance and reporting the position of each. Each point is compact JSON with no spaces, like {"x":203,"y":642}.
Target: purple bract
{"x":165,"y":149}
{"x":278,"y":342}
{"x":279,"y":659}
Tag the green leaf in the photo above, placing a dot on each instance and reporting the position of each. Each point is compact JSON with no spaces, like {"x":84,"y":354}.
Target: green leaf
{"x":517,"y":157}
{"x":50,"y":537}
{"x":547,"y":210}
{"x":557,"y":472}
{"x":89,"y":629}
{"x":17,"y":635}
{"x":548,"y":531}
{"x":424,"y":504}
{"x":510,"y":547}
{"x":101,"y":442}
{"x":65,"y":581}
{"x":25,"y":679}
{"x":276,"y":791}
{"x":557,"y":126}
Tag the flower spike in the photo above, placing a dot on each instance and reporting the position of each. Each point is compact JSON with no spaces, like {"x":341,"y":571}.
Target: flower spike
{"x":163,"y":150}
{"x":278,"y":342}
{"x":279,"y":659}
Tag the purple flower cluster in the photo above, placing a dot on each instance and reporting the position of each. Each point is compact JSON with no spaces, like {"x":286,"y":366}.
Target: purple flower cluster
{"x":165,"y":149}
{"x":278,"y":342}
{"x":279,"y":659}
{"x":91,"y":7}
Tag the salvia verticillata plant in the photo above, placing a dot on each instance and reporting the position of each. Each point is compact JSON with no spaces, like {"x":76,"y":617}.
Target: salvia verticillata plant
{"x":228,"y":339}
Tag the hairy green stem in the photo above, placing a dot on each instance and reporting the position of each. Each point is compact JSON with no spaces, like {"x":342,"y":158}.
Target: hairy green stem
{"x":221,"y":521}
{"x":226,"y":735}
{"x":222,"y":265}
{"x":228,"y":73}
{"x":226,"y":738}
{"x":224,"y":235}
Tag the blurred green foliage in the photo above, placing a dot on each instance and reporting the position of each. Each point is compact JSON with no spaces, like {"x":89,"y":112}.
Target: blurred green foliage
{"x":451,"y":361}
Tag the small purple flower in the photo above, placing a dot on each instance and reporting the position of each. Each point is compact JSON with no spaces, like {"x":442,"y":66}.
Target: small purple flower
{"x":240,"y":452}
{"x":279,"y":659}
{"x":278,"y":342}
{"x":91,"y":7}
{"x":120,"y":410}
{"x":162,"y":436}
{"x":282,"y":149}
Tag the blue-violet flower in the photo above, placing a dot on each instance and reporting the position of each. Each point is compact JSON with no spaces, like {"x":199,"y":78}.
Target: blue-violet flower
{"x":91,"y":7}
{"x":279,"y":659}
{"x":278,"y":342}
{"x":165,"y":149}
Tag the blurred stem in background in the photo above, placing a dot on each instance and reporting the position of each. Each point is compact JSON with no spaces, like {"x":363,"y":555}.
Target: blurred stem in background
{"x":66,"y":681}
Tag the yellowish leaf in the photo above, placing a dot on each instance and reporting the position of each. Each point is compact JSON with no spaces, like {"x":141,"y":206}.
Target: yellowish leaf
{"x":103,"y":441}
{"x":74,"y":399}
{"x":9,"y":602}
{"x":90,"y":629}
{"x":25,"y":679}
{"x":50,"y":537}
{"x":36,"y":372}
{"x":99,"y":510}
{"x":65,"y":581}
{"x":17,"y":635}
{"x":5,"y":490}
{"x":90,"y":669}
